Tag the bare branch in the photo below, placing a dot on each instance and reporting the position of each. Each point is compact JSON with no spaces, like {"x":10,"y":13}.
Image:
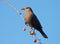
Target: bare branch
{"x":11,"y":5}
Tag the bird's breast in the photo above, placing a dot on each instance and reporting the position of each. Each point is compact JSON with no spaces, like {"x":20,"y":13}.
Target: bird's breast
{"x":28,"y":18}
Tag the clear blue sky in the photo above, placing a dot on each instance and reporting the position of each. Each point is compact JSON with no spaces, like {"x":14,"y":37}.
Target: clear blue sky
{"x":11,"y":24}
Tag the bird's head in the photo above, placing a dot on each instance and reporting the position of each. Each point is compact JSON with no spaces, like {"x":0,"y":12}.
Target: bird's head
{"x":27,"y":9}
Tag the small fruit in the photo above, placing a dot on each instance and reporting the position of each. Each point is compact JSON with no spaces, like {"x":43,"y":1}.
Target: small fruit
{"x":24,"y":29}
{"x":31,"y":33}
{"x":35,"y":40}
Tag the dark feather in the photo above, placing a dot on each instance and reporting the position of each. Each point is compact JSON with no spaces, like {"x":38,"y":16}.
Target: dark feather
{"x":36,"y":24}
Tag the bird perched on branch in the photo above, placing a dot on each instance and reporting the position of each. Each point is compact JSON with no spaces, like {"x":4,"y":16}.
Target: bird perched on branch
{"x":32,"y":20}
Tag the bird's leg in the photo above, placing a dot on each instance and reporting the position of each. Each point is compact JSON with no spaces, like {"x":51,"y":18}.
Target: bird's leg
{"x":31,"y":29}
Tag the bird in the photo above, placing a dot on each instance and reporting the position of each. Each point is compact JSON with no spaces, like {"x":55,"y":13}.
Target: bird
{"x":32,"y":20}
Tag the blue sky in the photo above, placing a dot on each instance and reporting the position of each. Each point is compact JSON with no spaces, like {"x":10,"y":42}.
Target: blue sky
{"x":11,"y":24}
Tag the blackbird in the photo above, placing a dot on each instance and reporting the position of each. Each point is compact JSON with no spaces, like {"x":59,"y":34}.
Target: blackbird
{"x":32,"y":20}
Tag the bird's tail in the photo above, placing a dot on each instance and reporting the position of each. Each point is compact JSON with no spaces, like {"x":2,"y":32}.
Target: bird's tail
{"x":43,"y":34}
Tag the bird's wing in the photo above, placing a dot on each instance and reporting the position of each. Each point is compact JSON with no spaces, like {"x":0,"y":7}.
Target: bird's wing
{"x":35,"y":22}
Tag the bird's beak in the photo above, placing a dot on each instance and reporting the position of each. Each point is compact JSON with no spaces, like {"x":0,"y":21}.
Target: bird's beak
{"x":22,"y":8}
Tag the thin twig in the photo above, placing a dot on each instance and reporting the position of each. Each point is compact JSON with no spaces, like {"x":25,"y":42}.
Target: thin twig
{"x":11,"y":5}
{"x":35,"y":37}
